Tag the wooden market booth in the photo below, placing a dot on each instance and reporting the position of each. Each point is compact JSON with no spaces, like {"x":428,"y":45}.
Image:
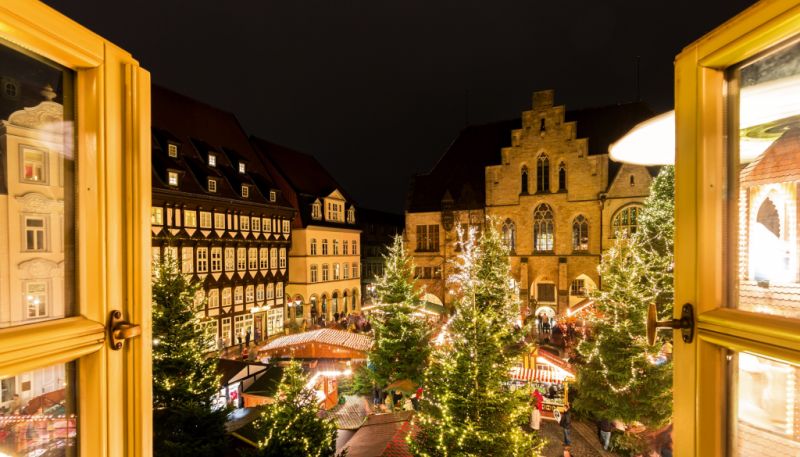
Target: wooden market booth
{"x":548,"y":374}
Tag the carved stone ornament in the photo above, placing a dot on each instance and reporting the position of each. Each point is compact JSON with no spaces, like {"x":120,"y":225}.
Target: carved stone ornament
{"x":39,"y":268}
{"x":35,"y":202}
{"x":44,"y":116}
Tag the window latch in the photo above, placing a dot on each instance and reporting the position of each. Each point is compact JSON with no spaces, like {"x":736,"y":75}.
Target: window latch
{"x":685,"y":324}
{"x":120,"y":330}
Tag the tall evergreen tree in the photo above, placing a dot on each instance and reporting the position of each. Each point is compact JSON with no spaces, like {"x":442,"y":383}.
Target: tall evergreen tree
{"x":467,"y":409}
{"x":402,"y":341}
{"x":184,"y":379}
{"x":619,"y":377}
{"x":292,"y":426}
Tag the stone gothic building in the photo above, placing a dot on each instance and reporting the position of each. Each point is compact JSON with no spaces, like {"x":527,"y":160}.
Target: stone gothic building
{"x":548,"y":183}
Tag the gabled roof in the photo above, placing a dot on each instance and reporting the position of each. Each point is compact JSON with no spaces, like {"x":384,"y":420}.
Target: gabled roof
{"x":302,"y":178}
{"x":779,"y":163}
{"x":199,"y":129}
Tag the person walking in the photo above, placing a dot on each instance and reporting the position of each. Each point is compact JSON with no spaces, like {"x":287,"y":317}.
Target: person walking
{"x":247,"y":338}
{"x":606,"y":427}
{"x":536,"y":409}
{"x":566,"y":423}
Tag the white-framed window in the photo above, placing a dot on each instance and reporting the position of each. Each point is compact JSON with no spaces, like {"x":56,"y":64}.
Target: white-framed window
{"x":263,"y":262}
{"x":226,"y":328}
{"x":242,"y":167}
{"x":273,"y":196}
{"x":212,"y":160}
{"x":313,"y":246}
{"x":335,"y":247}
{"x":282,"y":258}
{"x":279,"y":290}
{"x":578,"y":288}
{"x":324,"y":247}
{"x":345,"y":270}
{"x":351,"y":215}
{"x":172,"y":178}
{"x":212,"y":185}
{"x":216,"y":259}
{"x":187,"y":259}
{"x":334,"y":212}
{"x":241,"y":259}
{"x":249,"y":294}
{"x":202,"y":260}
{"x":172,"y":150}
{"x":260,"y":293}
{"x":313,"y":277}
{"x":287,"y":226}
{"x":35,"y":233}
{"x":252,"y":263}
{"x":356,"y":271}
{"x":238,"y":295}
{"x":190,"y":218}
{"x":219,"y":221}
{"x":213,"y":298}
{"x":336,"y":272}
{"x":36,"y":299}
{"x":205,"y":219}
{"x":273,"y":258}
{"x":241,"y":324}
{"x":344,"y":247}
{"x":226,"y":297}
{"x":256,"y":224}
{"x":157,"y":216}
{"x":34,"y":165}
{"x":245,"y":191}
{"x":270,"y":291}
{"x":230,"y":259}
{"x":244,"y":223}
{"x":172,"y":252}
{"x":325,"y":271}
{"x":355,"y":247}
{"x":316,"y":210}
{"x":266,"y":225}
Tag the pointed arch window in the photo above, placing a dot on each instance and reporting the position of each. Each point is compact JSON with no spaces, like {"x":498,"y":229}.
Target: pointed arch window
{"x":543,"y":228}
{"x":626,"y":221}
{"x":543,"y":174}
{"x":562,"y":177}
{"x":509,"y":234}
{"x":524,"y":180}
{"x":580,"y":234}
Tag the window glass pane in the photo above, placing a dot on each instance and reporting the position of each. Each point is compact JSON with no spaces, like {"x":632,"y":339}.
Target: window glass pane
{"x":37,"y":413}
{"x":768,"y":416}
{"x":37,"y":192}
{"x":766,"y":167}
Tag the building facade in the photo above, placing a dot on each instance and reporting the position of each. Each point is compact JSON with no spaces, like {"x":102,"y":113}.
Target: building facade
{"x":324,"y":259}
{"x":548,"y":184}
{"x":378,"y":229}
{"x":218,"y":212}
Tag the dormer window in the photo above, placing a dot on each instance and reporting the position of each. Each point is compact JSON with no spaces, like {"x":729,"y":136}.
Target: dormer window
{"x":172,"y":178}
{"x":242,"y":168}
{"x":245,"y":191}
{"x":316,"y":210}
{"x":212,"y":160}
{"x":172,"y":150}
{"x":212,"y":185}
{"x":351,"y":215}
{"x":272,"y":196}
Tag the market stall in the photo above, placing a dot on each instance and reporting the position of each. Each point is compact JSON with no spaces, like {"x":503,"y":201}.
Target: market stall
{"x":549,"y":375}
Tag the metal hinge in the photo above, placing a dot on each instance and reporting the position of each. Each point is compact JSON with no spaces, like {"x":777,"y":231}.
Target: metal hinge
{"x":685,"y":324}
{"x":120,"y":330}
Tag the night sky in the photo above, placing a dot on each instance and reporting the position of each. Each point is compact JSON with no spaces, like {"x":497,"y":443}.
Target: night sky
{"x":377,"y":89}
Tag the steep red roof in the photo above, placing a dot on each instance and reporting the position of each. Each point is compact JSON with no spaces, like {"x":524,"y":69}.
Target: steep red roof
{"x":779,"y":163}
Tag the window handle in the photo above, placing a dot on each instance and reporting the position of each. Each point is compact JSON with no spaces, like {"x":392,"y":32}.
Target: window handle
{"x":685,"y":324}
{"x":120,"y":330}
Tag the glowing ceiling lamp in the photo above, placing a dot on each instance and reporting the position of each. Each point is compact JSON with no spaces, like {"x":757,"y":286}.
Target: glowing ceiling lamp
{"x":766,"y":111}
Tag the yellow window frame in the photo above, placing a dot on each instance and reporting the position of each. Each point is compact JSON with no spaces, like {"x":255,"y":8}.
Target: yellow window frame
{"x":112,"y":100}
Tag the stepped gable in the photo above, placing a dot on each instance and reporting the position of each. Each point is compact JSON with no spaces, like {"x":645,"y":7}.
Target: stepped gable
{"x":199,"y":129}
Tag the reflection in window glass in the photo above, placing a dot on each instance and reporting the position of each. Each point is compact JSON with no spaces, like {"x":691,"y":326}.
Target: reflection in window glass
{"x":37,"y":413}
{"x":37,"y":192}
{"x":766,"y":423}
{"x":768,"y":182}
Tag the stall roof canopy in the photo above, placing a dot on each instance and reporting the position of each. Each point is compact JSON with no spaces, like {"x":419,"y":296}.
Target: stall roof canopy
{"x":354,"y":341}
{"x":228,"y":369}
{"x":266,"y":385}
{"x":383,"y":435}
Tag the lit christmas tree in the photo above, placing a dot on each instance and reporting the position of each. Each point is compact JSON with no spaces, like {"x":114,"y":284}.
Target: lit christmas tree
{"x":467,"y":409}
{"x":622,"y":376}
{"x":292,"y":426}
{"x":184,"y":379}
{"x":402,"y":341}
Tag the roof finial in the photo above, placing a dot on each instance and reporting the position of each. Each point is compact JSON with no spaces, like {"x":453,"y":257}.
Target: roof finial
{"x":48,"y":93}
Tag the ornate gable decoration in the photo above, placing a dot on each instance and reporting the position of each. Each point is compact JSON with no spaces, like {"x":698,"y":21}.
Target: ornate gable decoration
{"x":48,"y":116}
{"x":38,"y":203}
